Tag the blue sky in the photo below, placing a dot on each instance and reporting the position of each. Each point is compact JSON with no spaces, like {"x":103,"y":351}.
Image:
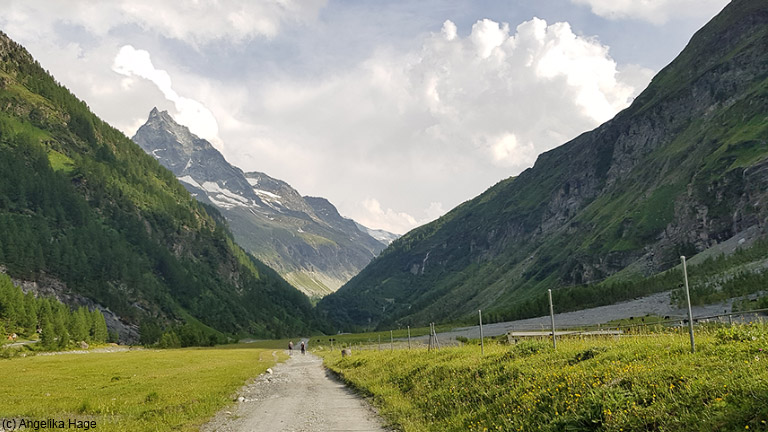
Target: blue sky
{"x":397,"y":111}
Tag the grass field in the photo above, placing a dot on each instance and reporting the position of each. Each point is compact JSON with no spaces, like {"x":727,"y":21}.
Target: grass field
{"x":650,"y":382}
{"x":145,"y":390}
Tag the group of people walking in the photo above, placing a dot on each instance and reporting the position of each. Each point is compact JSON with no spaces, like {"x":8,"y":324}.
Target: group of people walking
{"x":290,"y":348}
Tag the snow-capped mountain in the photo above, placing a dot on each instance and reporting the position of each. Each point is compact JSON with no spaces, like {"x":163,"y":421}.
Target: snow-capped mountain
{"x":304,"y":238}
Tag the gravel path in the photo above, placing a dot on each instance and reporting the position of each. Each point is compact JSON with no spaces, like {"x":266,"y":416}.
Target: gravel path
{"x":300,"y":395}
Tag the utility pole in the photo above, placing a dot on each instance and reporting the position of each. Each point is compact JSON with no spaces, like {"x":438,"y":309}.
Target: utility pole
{"x":391,"y":341}
{"x":552,"y":318}
{"x":688,"y":299}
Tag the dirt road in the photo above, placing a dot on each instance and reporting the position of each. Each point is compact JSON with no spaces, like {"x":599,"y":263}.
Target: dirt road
{"x":298,"y":396}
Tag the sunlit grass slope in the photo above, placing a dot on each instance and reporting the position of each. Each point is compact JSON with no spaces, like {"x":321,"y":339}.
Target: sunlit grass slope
{"x":639,"y":383}
{"x":130,"y":391}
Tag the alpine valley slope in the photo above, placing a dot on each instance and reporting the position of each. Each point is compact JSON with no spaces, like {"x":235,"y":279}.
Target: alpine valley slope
{"x":681,"y":170}
{"x":90,"y":217}
{"x":304,"y":238}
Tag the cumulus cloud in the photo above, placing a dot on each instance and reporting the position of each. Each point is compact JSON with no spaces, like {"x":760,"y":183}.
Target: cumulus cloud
{"x":131,"y":62}
{"x":399,"y":222}
{"x":437,"y":120}
{"x":444,"y":121}
{"x":654,"y":11}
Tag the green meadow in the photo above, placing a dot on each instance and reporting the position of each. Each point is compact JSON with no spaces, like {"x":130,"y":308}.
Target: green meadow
{"x":640,"y":383}
{"x":141,"y":390}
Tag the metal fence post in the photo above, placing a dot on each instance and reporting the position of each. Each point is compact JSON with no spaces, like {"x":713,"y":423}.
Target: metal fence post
{"x":552,"y":318}
{"x":688,"y":299}
{"x":482,"y":344}
{"x":409,"y":337}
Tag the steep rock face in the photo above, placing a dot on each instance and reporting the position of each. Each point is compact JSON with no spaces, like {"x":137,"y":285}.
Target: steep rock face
{"x":680,"y":170}
{"x":195,"y":162}
{"x":304,"y":238}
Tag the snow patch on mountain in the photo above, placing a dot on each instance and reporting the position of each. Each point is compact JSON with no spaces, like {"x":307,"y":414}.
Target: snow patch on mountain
{"x":226,"y":194}
{"x":189,"y":180}
{"x":267,"y":194}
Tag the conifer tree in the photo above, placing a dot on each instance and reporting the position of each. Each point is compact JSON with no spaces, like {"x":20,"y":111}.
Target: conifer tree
{"x":48,"y":336}
{"x":78,"y":328}
{"x":30,"y":321}
{"x":60,"y":319}
{"x":98,"y":330}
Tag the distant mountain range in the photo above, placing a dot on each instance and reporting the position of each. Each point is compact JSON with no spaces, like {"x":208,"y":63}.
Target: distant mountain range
{"x":682,"y":170}
{"x":304,"y":238}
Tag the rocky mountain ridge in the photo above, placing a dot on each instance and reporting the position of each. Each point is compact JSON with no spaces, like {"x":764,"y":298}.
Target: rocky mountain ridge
{"x":304,"y":238}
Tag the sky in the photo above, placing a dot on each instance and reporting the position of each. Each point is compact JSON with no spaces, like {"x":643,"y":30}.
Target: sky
{"x":396,"y":111}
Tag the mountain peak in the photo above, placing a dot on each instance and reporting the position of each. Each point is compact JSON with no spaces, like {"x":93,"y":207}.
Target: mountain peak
{"x":162,"y":116}
{"x":160,"y":124}
{"x":155,"y":112}
{"x":314,"y":248}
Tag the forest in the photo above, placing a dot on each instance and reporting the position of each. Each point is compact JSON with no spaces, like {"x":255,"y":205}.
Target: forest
{"x":58,"y":326}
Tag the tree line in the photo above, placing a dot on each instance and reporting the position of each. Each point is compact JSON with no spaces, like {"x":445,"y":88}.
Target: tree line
{"x":58,"y":326}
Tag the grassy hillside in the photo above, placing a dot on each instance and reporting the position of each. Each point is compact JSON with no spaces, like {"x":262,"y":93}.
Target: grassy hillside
{"x":633,"y":383}
{"x":83,"y":205}
{"x":680,"y":171}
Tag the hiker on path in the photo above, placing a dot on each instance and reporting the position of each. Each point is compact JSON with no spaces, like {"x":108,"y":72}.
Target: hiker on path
{"x":290,"y":348}
{"x":303,"y":348}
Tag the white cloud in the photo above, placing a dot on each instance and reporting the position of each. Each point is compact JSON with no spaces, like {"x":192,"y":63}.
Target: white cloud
{"x":438,"y":123}
{"x":205,"y":21}
{"x":398,"y":222}
{"x":506,"y":147}
{"x":449,"y":30}
{"x":132,"y":62}
{"x":438,"y":120}
{"x":194,"y":22}
{"x":654,"y":11}
{"x":488,"y":35}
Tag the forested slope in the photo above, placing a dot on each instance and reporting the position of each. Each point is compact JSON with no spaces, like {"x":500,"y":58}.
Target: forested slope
{"x":82,"y":204}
